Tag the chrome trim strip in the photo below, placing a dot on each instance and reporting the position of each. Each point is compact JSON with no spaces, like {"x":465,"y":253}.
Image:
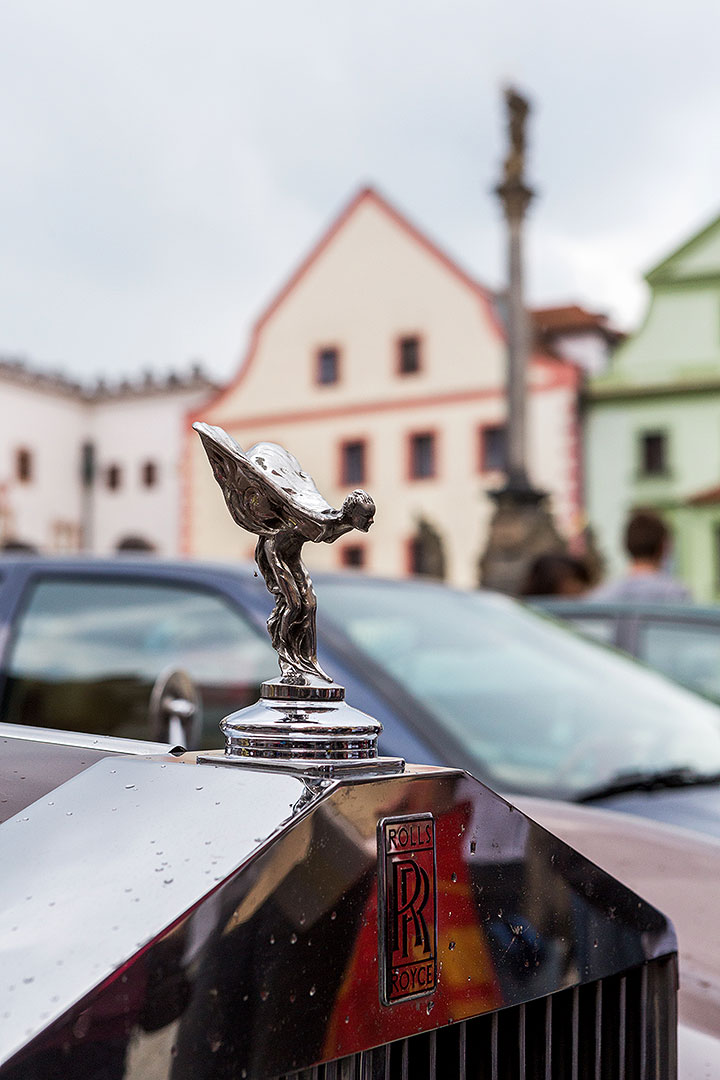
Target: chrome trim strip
{"x":108,"y":744}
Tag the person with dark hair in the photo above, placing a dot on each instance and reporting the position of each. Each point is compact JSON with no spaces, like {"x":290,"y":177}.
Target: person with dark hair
{"x":647,"y":542}
{"x":556,"y":574}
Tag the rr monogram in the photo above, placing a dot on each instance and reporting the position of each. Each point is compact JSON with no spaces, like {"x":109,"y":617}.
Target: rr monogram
{"x":407,"y":907}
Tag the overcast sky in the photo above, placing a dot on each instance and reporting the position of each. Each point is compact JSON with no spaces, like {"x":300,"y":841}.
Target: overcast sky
{"x":166,"y":164}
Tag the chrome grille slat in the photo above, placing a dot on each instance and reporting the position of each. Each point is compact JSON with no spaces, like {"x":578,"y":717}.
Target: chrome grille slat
{"x":548,"y":1036}
{"x":494,"y":1047}
{"x":619,"y":1028}
{"x":598,"y":1030}
{"x":575,"y":1036}
{"x":522,"y":1045}
{"x":462,"y":1051}
{"x":432,"y":1056}
{"x":643,"y":1023}
{"x":623,"y":1028}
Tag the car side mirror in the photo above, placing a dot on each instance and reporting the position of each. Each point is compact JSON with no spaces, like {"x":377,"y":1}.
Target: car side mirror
{"x":175,"y":709}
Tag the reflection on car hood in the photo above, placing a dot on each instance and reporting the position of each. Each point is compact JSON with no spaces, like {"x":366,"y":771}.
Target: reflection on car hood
{"x":675,"y":869}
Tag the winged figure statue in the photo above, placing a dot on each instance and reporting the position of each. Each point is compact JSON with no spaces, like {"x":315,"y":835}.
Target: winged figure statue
{"x":268,"y":494}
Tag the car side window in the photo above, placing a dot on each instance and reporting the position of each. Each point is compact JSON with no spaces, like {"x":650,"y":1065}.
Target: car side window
{"x":87,"y":652}
{"x":688,"y":653}
{"x":595,"y":627}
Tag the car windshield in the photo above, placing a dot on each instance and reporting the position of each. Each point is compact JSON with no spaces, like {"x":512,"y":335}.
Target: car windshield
{"x":536,"y":707}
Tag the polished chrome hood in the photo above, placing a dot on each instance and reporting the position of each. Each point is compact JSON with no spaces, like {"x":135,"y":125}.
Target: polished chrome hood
{"x":239,"y":917}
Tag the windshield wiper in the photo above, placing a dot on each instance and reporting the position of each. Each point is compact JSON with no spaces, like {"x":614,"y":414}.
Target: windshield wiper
{"x":649,"y":780}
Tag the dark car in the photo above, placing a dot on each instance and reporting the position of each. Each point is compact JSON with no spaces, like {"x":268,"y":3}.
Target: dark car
{"x":680,"y":640}
{"x":467,"y":679}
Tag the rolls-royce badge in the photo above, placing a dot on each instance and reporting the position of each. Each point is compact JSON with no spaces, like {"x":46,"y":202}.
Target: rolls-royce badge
{"x":407,"y":907}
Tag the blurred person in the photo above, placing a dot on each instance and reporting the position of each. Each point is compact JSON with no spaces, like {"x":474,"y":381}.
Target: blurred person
{"x":647,"y":543}
{"x":556,"y":574}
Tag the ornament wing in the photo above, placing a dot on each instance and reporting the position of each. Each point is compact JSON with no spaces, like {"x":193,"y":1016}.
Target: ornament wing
{"x":265,"y":489}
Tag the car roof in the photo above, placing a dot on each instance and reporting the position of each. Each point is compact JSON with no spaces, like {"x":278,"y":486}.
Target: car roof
{"x":625,"y":607}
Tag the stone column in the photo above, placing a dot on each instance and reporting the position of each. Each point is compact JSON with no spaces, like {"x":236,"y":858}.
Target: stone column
{"x":521,"y":526}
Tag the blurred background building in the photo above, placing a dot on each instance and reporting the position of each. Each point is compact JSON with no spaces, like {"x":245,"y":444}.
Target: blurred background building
{"x":94,"y":467}
{"x":382,"y":364}
{"x":653,"y":418}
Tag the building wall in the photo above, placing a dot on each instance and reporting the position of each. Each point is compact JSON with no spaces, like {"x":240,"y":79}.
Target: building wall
{"x":45,"y":511}
{"x":615,"y":485}
{"x":666,"y":378}
{"x":128,"y":433}
{"x":372,"y":281}
{"x":678,"y":341}
{"x":52,"y":419}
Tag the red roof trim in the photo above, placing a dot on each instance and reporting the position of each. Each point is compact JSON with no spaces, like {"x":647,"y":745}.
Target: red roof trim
{"x":565,"y":376}
{"x":705,"y":498}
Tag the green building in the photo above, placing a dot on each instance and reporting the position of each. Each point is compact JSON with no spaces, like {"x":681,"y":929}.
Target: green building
{"x":653,"y":419}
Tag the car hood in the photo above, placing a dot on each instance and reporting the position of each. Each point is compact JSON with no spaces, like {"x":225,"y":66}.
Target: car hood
{"x":696,"y":808}
{"x":675,"y":869}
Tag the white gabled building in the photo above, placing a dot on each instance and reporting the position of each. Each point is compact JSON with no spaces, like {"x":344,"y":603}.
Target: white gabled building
{"x":131,"y":432}
{"x":381,"y":364}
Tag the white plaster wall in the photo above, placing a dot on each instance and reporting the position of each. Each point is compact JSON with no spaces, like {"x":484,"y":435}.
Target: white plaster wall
{"x":52,"y":426}
{"x":372,"y":283}
{"x":128,"y":432}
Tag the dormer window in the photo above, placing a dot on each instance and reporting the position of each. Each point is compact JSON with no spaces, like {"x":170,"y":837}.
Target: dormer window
{"x":327,"y":369}
{"x":408,"y":355}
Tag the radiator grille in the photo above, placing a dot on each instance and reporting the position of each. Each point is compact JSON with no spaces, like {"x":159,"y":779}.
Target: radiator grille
{"x":619,"y":1028}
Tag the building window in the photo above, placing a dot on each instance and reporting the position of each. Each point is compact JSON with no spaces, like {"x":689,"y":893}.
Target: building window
{"x":426,"y":554}
{"x":24,"y":465}
{"x":352,"y":463}
{"x":422,"y":456}
{"x":493,"y":448}
{"x":353,"y":556}
{"x":149,"y":474}
{"x":408,"y":355}
{"x":113,"y":477}
{"x":328,"y":366}
{"x":653,"y":453}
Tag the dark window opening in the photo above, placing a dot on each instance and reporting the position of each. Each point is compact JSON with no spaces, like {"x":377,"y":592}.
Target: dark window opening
{"x":352,"y":555}
{"x":422,"y":456}
{"x":328,"y":367}
{"x":426,"y":552}
{"x":409,"y":359}
{"x":113,"y":477}
{"x":149,"y":474}
{"x":653,"y":453}
{"x":352,"y":468}
{"x":24,"y":465}
{"x":493,"y":448}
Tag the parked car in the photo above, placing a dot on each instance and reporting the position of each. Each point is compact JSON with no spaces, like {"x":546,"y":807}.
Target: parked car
{"x":680,"y":640}
{"x":467,"y":679}
{"x":169,"y":916}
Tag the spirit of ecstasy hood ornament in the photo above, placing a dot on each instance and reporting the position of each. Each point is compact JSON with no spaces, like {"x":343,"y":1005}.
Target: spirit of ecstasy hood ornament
{"x":268,"y":494}
{"x":302,"y":723}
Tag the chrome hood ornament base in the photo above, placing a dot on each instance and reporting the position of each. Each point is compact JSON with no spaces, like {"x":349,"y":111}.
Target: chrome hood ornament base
{"x":302,"y":722}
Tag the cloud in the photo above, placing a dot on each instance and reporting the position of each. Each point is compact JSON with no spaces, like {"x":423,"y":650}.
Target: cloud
{"x":167,"y":164}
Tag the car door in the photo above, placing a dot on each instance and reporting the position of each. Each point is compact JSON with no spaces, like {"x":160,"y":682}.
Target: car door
{"x":86,"y":650}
